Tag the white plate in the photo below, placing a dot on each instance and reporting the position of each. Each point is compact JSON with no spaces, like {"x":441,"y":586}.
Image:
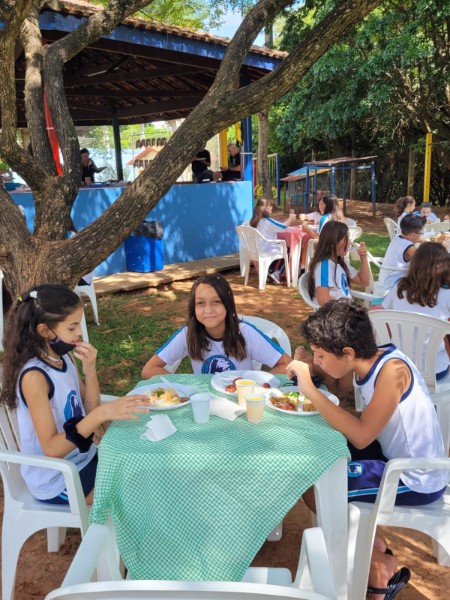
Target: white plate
{"x":220,"y":381}
{"x":300,"y":413}
{"x":145,"y":389}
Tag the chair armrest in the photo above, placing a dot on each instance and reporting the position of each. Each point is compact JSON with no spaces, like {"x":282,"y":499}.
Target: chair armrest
{"x":75,"y":493}
{"x":393,"y":471}
{"x":314,"y":557}
{"x":95,"y":550}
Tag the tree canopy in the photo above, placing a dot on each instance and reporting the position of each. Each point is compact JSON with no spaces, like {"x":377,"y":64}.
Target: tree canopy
{"x":46,"y":255}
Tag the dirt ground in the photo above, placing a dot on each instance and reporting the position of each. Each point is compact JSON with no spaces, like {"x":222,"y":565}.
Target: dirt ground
{"x":39,"y":572}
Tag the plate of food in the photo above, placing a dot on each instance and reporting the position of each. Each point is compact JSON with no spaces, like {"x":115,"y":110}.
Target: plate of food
{"x":163,"y":397}
{"x":292,"y":402}
{"x":225,"y":382}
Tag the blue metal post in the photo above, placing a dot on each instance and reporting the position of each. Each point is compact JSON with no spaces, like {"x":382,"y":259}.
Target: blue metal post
{"x":344,"y":183}
{"x":277,"y":176}
{"x":306,"y":201}
{"x":247,"y":154}
{"x":333,"y":181}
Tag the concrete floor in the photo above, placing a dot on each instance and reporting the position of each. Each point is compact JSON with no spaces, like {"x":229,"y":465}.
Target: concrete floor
{"x":125,"y":282}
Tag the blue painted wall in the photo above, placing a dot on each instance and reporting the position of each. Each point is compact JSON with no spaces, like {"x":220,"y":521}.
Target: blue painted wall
{"x":199,"y":219}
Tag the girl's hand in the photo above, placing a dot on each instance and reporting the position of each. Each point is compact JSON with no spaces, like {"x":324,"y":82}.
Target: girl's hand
{"x":306,"y":228}
{"x":122,"y":409}
{"x":88,"y":356}
{"x":362,"y":249}
{"x":301,"y":369}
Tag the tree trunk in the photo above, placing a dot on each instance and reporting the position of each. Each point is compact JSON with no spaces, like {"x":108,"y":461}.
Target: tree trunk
{"x":263,"y":163}
{"x":411,"y":170}
{"x":47,"y":255}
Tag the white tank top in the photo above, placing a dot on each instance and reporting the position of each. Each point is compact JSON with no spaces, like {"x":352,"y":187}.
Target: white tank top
{"x":65,"y":402}
{"x":413,"y":430}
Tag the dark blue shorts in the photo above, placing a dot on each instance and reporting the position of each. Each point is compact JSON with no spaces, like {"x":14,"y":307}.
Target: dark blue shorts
{"x":87,"y":477}
{"x":364,"y":477}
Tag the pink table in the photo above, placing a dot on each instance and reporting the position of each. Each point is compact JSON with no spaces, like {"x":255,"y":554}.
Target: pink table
{"x":294,"y":238}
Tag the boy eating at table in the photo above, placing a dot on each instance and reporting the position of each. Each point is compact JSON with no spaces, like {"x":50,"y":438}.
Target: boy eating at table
{"x":398,"y":419}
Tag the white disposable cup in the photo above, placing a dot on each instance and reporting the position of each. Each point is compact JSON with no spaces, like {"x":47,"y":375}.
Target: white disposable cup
{"x":379,"y":290}
{"x":200,"y":407}
{"x":244,"y":386}
{"x":255,"y":404}
{"x":354,"y":252}
{"x":302,"y":216}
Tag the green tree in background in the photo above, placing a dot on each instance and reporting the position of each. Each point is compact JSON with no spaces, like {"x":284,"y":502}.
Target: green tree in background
{"x":378,"y":91}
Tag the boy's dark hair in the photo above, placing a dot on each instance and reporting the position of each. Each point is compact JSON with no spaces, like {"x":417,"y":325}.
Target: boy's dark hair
{"x":426,"y":205}
{"x":340,"y":324}
{"x":84,"y":151}
{"x":411,"y":224}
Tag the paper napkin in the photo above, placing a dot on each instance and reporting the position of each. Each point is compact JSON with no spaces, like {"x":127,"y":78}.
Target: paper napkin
{"x":221,"y":407}
{"x":158,"y":428}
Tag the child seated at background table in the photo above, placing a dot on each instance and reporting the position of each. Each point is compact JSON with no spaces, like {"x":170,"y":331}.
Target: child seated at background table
{"x":400,"y":250}
{"x":398,"y":420}
{"x":329,"y":209}
{"x":425,"y":289}
{"x":268,"y":227}
{"x":426,"y":212}
{"x":405,"y":206}
{"x":330,"y":277}
{"x":214,"y":338}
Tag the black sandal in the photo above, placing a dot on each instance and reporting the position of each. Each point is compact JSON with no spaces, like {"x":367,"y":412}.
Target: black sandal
{"x":395,"y":584}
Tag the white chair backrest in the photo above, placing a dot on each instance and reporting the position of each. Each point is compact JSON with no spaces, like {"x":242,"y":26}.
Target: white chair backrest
{"x":350,"y":222}
{"x":392,"y":227}
{"x":438,"y":227}
{"x":310,"y":249}
{"x":416,"y":335}
{"x":272,"y":330}
{"x":304,"y":293}
{"x":96,"y":554}
{"x":251,"y":237}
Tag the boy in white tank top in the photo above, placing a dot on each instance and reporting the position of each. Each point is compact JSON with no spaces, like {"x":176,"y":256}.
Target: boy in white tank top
{"x":398,"y":420}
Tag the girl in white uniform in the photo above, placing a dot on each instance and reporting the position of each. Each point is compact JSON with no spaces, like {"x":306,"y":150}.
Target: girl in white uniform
{"x":268,"y":227}
{"x":330,"y":277}
{"x":214,"y":338}
{"x":57,"y":412}
{"x":405,"y":206}
{"x":425,"y":289}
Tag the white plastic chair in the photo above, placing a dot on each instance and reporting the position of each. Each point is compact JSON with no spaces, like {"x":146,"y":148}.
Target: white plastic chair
{"x":272,"y":330}
{"x":392,"y":227}
{"x":419,"y":337}
{"x":252,"y":238}
{"x":89,"y":291}
{"x":432,"y":519}
{"x":242,"y":248}
{"x":350,"y":222}
{"x":96,"y":555}
{"x":310,"y":249}
{"x":304,"y":293}
{"x":23,"y":515}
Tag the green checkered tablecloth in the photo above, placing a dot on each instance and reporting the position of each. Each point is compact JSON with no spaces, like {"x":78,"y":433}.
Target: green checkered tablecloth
{"x":199,"y":504}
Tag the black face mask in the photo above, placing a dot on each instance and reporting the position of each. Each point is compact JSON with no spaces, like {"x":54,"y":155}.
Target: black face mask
{"x":60,"y":347}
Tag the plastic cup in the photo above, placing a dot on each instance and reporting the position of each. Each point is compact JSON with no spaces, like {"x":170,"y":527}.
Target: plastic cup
{"x":354,"y":252}
{"x":255,"y":404}
{"x":244,"y":386}
{"x":200,"y":407}
{"x":302,"y":216}
{"x":87,"y":181}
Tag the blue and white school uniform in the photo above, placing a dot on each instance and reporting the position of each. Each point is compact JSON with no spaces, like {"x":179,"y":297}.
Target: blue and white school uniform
{"x":440,"y":311}
{"x":432,"y":218}
{"x":394,"y":257}
{"x":65,"y":402}
{"x":412,"y":432}
{"x":402,"y":216}
{"x":323,"y":220}
{"x":258,"y":347}
{"x":269,"y":228}
{"x":331,"y":275}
